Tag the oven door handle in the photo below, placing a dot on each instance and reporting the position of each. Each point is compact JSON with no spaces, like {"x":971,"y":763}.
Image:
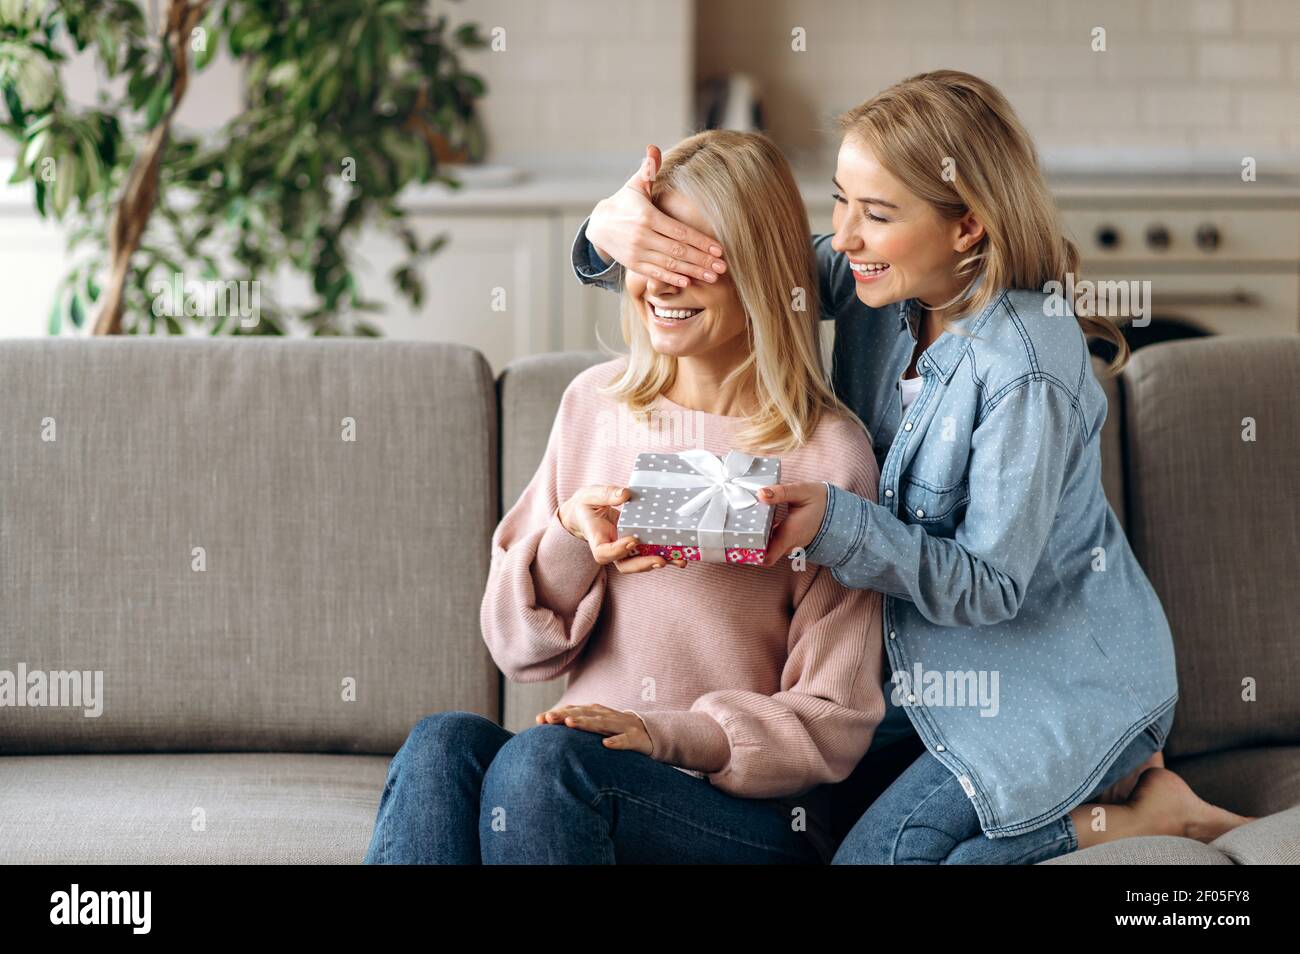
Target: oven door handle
{"x":1237,"y":298}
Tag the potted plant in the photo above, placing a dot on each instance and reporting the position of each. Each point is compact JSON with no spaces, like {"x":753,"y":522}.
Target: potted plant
{"x":345,"y":104}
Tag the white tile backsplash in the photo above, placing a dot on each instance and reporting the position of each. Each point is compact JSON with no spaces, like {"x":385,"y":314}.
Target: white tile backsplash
{"x":1096,"y":106}
{"x":982,"y":59}
{"x":1270,"y":107}
{"x":1207,"y":17}
{"x":1066,"y":63}
{"x":1235,"y":59}
{"x":584,"y":80}
{"x":593,"y":81}
{"x":912,"y":18}
{"x":978,"y":18}
{"x":1270,"y":16}
{"x":1186,"y":106}
{"x":1179,"y":74}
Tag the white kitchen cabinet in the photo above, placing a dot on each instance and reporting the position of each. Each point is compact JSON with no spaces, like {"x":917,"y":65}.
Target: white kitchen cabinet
{"x":490,"y":287}
{"x":584,"y":310}
{"x":32,"y":264}
{"x":504,"y":285}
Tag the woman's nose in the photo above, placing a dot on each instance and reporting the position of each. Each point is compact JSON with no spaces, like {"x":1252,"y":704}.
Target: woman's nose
{"x":844,"y":240}
{"x":659,"y":288}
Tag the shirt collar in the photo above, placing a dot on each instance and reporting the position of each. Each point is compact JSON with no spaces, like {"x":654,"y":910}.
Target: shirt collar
{"x":907,"y":308}
{"x":947,"y":351}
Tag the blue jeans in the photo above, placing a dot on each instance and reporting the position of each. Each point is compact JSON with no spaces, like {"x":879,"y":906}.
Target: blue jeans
{"x":924,"y":817}
{"x":463,"y":790}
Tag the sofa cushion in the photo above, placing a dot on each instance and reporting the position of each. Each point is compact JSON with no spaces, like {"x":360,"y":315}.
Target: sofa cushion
{"x":328,"y":563}
{"x":1214,"y":522}
{"x":1272,"y":840}
{"x":1149,"y":850}
{"x":253,"y":808}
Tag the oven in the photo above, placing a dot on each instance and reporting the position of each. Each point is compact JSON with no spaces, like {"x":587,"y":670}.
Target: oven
{"x":1220,"y":257}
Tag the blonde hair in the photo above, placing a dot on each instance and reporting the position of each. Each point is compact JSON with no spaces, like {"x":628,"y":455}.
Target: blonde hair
{"x":928,"y":124}
{"x":745,"y":190}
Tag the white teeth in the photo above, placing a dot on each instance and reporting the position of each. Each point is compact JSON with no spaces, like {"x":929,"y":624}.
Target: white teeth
{"x":869,"y":268}
{"x":675,"y":312}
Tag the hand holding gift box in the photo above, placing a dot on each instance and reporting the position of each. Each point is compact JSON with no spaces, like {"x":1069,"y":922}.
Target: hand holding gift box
{"x":693,"y":505}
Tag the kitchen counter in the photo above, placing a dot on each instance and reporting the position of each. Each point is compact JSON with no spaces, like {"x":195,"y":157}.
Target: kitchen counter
{"x":548,"y":190}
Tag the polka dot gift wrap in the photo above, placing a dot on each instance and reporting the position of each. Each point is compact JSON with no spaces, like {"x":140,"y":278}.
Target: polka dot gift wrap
{"x":694,"y":505}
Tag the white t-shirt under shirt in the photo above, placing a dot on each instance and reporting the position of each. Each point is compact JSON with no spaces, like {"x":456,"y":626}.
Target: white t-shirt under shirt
{"x":910,"y":388}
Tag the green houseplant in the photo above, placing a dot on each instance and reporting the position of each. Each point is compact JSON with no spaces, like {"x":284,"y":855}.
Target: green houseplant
{"x":345,"y":104}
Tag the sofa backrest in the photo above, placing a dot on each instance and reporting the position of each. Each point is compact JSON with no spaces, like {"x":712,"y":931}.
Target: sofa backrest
{"x":528,"y":393}
{"x":187,"y":516}
{"x":1112,"y":442}
{"x":1213,"y":476}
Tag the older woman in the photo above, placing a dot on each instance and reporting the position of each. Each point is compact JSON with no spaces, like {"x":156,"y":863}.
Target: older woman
{"x":708,"y":706}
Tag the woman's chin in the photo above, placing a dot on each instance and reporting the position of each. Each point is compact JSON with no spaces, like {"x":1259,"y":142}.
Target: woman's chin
{"x":874,"y":297}
{"x":670,"y":348}
{"x":671,"y":343}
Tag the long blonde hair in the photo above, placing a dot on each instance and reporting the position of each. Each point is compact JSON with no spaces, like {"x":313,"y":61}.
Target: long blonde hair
{"x":958,"y":145}
{"x":745,"y":190}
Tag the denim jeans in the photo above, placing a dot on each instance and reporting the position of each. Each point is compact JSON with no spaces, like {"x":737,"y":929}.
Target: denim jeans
{"x":924,"y":817}
{"x":463,"y":790}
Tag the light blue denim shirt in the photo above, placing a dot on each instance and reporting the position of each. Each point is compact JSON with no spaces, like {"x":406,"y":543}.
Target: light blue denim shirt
{"x":1033,"y":647}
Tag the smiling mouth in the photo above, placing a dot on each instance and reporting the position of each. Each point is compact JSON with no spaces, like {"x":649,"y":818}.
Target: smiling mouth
{"x":869,"y":271}
{"x":669,"y":317}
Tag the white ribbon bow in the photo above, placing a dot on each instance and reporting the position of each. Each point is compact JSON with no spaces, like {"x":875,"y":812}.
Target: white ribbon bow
{"x":726,"y":488}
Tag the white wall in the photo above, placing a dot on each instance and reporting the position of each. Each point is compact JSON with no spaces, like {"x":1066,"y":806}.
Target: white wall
{"x":1221,"y":76}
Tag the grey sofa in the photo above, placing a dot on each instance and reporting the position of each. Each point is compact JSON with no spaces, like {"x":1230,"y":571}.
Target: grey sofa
{"x":274,"y":551}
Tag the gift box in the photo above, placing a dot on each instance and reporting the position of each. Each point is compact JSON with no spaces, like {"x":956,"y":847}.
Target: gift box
{"x":694,"y":505}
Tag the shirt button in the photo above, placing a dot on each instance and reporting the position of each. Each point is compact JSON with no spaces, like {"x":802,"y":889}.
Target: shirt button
{"x":911,"y":698}
{"x":892,"y":634}
{"x":907,"y":426}
{"x":920,"y":512}
{"x":888,"y":492}
{"x":940,"y":748}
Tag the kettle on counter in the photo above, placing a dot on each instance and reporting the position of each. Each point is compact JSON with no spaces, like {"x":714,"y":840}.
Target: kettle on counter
{"x":730,"y":102}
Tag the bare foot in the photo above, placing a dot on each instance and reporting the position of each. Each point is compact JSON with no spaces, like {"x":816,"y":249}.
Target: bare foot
{"x":1121,"y":790}
{"x":1167,"y":804}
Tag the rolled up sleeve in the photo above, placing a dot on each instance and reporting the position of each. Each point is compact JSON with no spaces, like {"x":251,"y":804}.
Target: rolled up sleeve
{"x":589,"y":267}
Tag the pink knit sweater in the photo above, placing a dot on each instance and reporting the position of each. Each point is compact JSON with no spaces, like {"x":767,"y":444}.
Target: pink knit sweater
{"x":766,"y":680}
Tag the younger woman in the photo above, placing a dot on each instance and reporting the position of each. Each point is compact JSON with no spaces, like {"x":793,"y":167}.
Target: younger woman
{"x":707,"y":706}
{"x":1028,"y":649}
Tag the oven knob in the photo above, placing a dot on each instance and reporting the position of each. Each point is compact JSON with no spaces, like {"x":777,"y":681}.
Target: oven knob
{"x":1158,"y":237}
{"x":1107,"y":236}
{"x":1207,"y":237}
